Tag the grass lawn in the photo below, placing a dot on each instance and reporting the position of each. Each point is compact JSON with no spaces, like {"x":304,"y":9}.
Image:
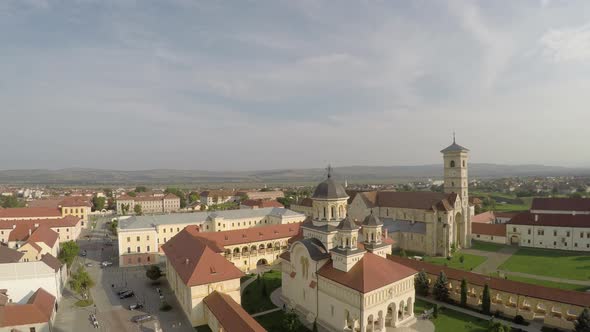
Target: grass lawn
{"x":486,"y":246}
{"x":254,"y":300}
{"x":551,"y":263}
{"x":273,"y":322}
{"x":551,"y":284}
{"x":470,"y":262}
{"x":450,"y":320}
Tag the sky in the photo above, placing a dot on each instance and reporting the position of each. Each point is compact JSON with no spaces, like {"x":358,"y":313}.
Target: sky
{"x":244,"y":85}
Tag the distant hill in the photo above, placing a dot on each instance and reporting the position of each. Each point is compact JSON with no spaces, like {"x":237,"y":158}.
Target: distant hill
{"x":369,"y":174}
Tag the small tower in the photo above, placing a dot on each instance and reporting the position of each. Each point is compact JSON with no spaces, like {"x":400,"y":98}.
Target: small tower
{"x":346,"y":252}
{"x":455,"y":159}
{"x":373,"y":236}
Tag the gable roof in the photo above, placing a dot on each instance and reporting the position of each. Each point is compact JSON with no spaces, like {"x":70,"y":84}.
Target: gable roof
{"x":218,"y":240}
{"x":39,"y":309}
{"x":33,"y":212}
{"x":262,"y":203}
{"x":484,"y":217}
{"x":500,"y":284}
{"x":52,"y":262}
{"x":67,"y":221}
{"x":195,"y":262}
{"x":558,"y":220}
{"x":8,"y":255}
{"x":561,"y":204}
{"x":454,"y":148}
{"x":230,"y":315}
{"x":44,"y":234}
{"x":488,"y":229}
{"x":369,"y":273}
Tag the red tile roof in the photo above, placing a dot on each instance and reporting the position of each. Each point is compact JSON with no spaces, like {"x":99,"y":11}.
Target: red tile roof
{"x":499,"y":284}
{"x":56,"y":202}
{"x":369,"y":273}
{"x":485,"y":217}
{"x":420,"y":200}
{"x":52,"y":262}
{"x":195,"y":262}
{"x":36,"y":212}
{"x":218,"y":240}
{"x":488,"y":229}
{"x":39,"y":309}
{"x":231,"y":316}
{"x":559,"y":220}
{"x":44,"y":234}
{"x":8,"y":255}
{"x":561,"y":204}
{"x":67,"y":221}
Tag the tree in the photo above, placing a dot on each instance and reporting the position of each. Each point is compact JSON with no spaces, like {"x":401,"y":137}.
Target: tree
{"x":496,"y":326}
{"x":125,"y":208}
{"x":582,"y":324}
{"x":421,"y":283}
{"x":153,"y":272}
{"x":486,"y":301}
{"x":403,"y":254}
{"x":111,"y":204}
{"x":141,"y":189}
{"x":441,"y":288}
{"x":81,"y":281}
{"x":69,"y":250}
{"x":291,"y":322}
{"x":108,"y":192}
{"x":10,"y":202}
{"x":98,"y":203}
{"x":132,"y":194}
{"x":463,"y":292}
{"x":137,"y":209}
{"x":193,"y":197}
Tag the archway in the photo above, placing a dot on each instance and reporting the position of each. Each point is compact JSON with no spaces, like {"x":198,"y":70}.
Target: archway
{"x":514,"y":240}
{"x":390,"y":317}
{"x":262,"y":262}
{"x":400,"y":311}
{"x":370,"y":324}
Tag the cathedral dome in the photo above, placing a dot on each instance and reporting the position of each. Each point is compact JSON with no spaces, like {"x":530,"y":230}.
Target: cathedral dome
{"x":329,"y":189}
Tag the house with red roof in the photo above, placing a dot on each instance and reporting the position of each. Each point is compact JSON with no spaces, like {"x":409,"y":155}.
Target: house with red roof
{"x":37,"y":314}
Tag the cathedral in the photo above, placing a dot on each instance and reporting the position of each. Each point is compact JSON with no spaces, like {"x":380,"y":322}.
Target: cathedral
{"x":337,"y":274}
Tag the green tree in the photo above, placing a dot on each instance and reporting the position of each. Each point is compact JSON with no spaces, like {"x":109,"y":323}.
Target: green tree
{"x":153,"y":272}
{"x":137,"y":209}
{"x":10,"y":202}
{"x":69,"y":251}
{"x":132,"y":194}
{"x":582,"y":324}
{"x":575,"y":195}
{"x":98,"y":203}
{"x":291,"y":322}
{"x":403,"y":254}
{"x":441,"y":287}
{"x":193,"y":197}
{"x":486,"y":301}
{"x":179,"y":193}
{"x":81,"y":281}
{"x":125,"y":208}
{"x":108,"y":192}
{"x":464,"y":292}
{"x":421,"y":283}
{"x":141,"y":189}
{"x":496,"y":326}
{"x":111,"y":204}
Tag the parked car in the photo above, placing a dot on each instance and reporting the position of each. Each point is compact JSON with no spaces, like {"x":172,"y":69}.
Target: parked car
{"x":106,"y":263}
{"x":83,"y":253}
{"x":124,"y":290}
{"x":88,"y":264}
{"x":126,"y":295}
{"x":141,"y":318}
{"x":135,"y":306}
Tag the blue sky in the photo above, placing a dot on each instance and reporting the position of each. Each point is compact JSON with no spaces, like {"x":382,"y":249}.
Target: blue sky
{"x":286,"y":84}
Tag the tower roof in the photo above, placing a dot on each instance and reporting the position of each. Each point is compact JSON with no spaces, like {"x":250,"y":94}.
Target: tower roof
{"x":372,"y":220}
{"x":347,"y":224}
{"x":329,"y":189}
{"x":454,"y":147}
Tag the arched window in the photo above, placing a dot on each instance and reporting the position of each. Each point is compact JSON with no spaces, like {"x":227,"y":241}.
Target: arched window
{"x":463,"y":163}
{"x":347,"y":242}
{"x":324,"y":212}
{"x":333,"y":215}
{"x":452,"y":163}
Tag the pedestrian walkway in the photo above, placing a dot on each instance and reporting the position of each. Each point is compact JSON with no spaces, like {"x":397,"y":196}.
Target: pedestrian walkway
{"x":246,"y":283}
{"x":530,"y":328}
{"x":275,"y":297}
{"x":266,"y":312}
{"x":494,"y":258}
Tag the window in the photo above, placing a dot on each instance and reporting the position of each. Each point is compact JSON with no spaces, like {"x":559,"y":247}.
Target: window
{"x":178,"y":229}
{"x":171,"y":230}
{"x":554,"y":243}
{"x":576,"y":244}
{"x":128,"y":250}
{"x":164,"y":230}
{"x":477,"y":235}
{"x":147,"y":237}
{"x":581,"y":235}
{"x":32,"y":329}
{"x":567,"y":233}
{"x":514,"y":229}
{"x":452,"y":163}
{"x":138,"y":249}
{"x":529,"y":231}
{"x":554,"y":233}
{"x":463,"y":163}
{"x":164,"y":239}
{"x":148,"y":249}
{"x":528,"y":241}
{"x":138,"y":239}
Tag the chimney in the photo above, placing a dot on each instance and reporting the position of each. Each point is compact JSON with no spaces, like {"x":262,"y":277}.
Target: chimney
{"x":536,"y":217}
{"x":30,"y":232}
{"x":13,"y":226}
{"x":36,"y":225}
{"x":186,"y":261}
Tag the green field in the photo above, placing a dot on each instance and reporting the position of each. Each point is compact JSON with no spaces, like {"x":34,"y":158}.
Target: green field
{"x":551,"y":263}
{"x":273,"y":322}
{"x":450,"y":320}
{"x":254,"y":300}
{"x":486,"y":246}
{"x":470,"y":262}
{"x":551,"y":284}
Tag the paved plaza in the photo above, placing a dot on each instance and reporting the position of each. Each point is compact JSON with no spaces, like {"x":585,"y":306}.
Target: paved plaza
{"x":112,"y":313}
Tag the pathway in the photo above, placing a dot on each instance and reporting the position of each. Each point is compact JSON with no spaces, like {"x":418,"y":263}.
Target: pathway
{"x":494,"y":259}
{"x":246,"y":283}
{"x":533,"y":327}
{"x":266,"y":312}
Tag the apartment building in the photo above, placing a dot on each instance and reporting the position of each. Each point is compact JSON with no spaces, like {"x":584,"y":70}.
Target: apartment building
{"x":150,"y":204}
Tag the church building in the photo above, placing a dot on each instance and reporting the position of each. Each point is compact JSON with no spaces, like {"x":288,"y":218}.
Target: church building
{"x":337,"y":273}
{"x":432,"y":223}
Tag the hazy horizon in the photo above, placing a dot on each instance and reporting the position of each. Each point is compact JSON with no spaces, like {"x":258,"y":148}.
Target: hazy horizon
{"x":269,"y":85}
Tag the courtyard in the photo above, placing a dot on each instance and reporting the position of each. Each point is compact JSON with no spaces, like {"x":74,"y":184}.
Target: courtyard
{"x":551,"y":263}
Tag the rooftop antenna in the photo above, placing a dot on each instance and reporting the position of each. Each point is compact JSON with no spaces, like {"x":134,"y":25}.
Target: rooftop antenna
{"x":453,"y":137}
{"x":329,"y":171}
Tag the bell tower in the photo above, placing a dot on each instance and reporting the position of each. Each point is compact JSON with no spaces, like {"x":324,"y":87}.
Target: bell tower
{"x":455,"y":171}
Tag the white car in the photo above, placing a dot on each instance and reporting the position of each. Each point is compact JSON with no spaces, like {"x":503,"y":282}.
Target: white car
{"x":106,"y":263}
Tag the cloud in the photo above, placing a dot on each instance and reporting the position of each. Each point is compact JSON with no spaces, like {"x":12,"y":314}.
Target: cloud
{"x":569,"y":44}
